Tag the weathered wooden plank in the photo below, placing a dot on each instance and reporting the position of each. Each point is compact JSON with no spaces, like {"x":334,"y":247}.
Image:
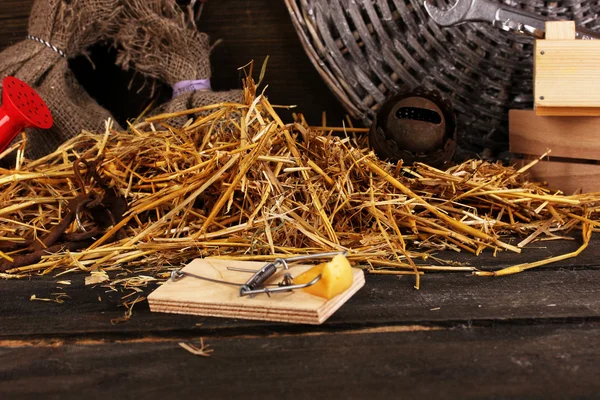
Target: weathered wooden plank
{"x":445,"y":299}
{"x":542,"y":361}
{"x":13,"y":9}
{"x":15,"y":30}
{"x":14,"y":16}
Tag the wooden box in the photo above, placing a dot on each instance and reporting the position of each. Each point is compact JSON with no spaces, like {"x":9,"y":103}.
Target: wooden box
{"x":566,"y":119}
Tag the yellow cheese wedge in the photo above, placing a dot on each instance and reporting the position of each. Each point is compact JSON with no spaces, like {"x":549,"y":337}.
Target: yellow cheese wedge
{"x":336,"y":277}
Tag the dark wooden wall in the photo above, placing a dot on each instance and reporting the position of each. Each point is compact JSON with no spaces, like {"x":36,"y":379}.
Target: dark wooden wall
{"x":250,"y":30}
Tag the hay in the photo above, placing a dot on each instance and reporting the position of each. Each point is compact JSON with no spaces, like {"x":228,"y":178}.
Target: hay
{"x":238,"y":183}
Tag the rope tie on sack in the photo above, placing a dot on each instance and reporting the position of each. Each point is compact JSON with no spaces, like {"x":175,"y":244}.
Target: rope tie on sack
{"x":47,"y":44}
{"x":191,"y":86}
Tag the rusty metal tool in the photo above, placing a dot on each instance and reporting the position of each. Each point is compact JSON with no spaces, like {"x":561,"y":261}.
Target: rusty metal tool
{"x":106,"y":208}
{"x":500,"y":15}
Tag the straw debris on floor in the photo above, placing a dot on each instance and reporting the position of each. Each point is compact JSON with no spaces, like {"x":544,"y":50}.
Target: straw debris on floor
{"x":240,"y":183}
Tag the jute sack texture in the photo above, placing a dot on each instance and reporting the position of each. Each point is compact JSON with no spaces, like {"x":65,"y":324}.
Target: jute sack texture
{"x":154,"y":37}
{"x":70,"y":26}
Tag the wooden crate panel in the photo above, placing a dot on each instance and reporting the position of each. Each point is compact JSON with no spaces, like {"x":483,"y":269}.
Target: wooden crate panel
{"x":571,"y":137}
{"x":567,"y":73}
{"x":568,"y":177}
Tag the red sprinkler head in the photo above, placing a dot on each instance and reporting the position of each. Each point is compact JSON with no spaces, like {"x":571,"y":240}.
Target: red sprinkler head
{"x":21,"y":108}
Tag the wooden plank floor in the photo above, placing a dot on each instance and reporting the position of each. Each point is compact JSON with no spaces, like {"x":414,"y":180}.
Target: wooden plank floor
{"x":532,"y":335}
{"x":525,"y":336}
{"x":548,"y":361}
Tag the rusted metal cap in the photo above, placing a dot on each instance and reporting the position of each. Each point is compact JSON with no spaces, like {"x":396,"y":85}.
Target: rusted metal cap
{"x":415,"y":126}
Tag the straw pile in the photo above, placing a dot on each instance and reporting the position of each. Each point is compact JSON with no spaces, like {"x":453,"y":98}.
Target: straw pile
{"x":239,"y":183}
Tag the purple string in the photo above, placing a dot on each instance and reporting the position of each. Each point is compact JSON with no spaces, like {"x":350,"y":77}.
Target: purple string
{"x":190,"y":86}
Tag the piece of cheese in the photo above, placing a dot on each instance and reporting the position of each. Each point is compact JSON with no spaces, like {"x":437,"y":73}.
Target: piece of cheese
{"x":336,"y":277}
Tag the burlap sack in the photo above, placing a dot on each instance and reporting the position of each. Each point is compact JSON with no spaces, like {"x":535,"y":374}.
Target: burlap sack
{"x":160,"y":40}
{"x":70,"y":26}
{"x":155,"y":37}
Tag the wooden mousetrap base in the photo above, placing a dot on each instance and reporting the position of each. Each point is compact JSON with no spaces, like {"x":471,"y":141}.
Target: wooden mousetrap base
{"x":194,"y":296}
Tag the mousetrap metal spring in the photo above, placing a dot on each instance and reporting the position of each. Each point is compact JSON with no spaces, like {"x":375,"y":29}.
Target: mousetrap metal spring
{"x":256,"y":283}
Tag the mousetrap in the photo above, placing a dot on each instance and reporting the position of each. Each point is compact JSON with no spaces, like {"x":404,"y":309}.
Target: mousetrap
{"x":248,"y":290}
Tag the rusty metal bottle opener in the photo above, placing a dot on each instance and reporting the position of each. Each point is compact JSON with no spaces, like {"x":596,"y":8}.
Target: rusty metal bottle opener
{"x":500,"y":15}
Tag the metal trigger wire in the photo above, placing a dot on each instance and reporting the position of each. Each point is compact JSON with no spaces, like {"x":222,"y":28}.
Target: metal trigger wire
{"x":178,"y":274}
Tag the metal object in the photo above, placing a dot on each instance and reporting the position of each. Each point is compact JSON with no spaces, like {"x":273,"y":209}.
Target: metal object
{"x":500,"y":15}
{"x":106,"y":209}
{"x":21,"y":108}
{"x":256,"y":283}
{"x":48,"y":243}
{"x":415,"y":126}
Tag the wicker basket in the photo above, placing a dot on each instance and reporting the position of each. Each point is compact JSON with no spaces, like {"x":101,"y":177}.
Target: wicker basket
{"x":367,"y":49}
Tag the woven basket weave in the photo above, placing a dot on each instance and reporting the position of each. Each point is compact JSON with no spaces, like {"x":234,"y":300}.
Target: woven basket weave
{"x":367,"y":49}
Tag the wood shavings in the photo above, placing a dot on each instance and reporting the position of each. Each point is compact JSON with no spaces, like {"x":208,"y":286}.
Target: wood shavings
{"x":13,"y":276}
{"x":129,"y":310}
{"x":96,"y":277}
{"x":202,"y":351}
{"x":59,"y":298}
